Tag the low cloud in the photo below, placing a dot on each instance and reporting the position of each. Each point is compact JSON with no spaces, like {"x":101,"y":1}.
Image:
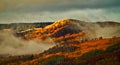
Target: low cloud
{"x":96,"y":30}
{"x":12,"y":45}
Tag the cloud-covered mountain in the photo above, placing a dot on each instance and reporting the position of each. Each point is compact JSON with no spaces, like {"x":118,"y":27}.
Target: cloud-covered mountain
{"x":67,"y":39}
{"x":49,"y":34}
{"x":74,"y":29}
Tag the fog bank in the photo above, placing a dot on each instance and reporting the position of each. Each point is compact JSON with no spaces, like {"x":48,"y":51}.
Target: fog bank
{"x":12,"y":45}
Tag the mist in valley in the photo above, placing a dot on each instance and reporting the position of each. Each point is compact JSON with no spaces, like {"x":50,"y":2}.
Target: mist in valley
{"x":11,"y":45}
{"x":95,"y":30}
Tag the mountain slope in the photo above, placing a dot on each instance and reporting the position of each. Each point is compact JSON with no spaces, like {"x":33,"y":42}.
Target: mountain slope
{"x":60,"y":31}
{"x":97,"y":50}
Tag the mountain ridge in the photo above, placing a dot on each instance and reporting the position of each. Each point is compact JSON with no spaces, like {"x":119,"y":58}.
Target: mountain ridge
{"x":66,"y":28}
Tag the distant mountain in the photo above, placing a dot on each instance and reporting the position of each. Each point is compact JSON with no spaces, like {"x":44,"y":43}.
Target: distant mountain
{"x":17,"y":27}
{"x":108,"y":23}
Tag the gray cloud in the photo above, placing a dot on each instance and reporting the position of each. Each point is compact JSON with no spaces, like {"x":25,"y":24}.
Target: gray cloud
{"x":52,"y":10}
{"x":92,"y":15}
{"x":42,"y":5}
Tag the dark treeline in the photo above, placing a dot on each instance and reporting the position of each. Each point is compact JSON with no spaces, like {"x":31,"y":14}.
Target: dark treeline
{"x":22,"y":26}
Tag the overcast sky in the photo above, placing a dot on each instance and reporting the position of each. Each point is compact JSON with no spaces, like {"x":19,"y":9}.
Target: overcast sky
{"x":52,"y":10}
